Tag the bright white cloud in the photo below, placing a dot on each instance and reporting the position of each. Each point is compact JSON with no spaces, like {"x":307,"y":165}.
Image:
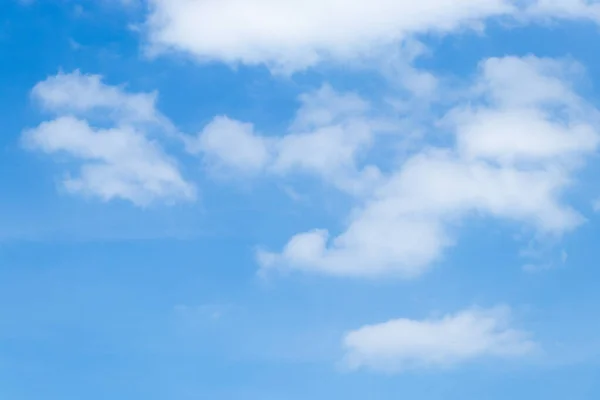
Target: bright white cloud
{"x":532,"y":115}
{"x":293,"y":34}
{"x":118,"y":160}
{"x":327,"y":136}
{"x":500,"y":135}
{"x":116,"y":163}
{"x":517,"y":145}
{"x":82,"y":94}
{"x":469,"y":335}
{"x":330,"y":132}
{"x":230,"y":144}
{"x":406,"y":226}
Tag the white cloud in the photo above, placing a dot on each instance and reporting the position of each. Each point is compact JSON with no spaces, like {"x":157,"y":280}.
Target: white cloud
{"x":293,"y":34}
{"x":327,"y":135}
{"x":82,"y":94}
{"x":330,"y":132}
{"x":118,"y":160}
{"x":517,"y":146}
{"x":534,"y":115}
{"x":574,"y":9}
{"x":116,"y":163}
{"x":499,"y":135}
{"x":230,"y":144}
{"x":402,"y":344}
{"x":405,"y":227}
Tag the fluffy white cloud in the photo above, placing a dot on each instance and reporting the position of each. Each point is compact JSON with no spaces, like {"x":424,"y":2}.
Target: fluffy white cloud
{"x":532,"y":116}
{"x":330,"y":132}
{"x":117,"y":161}
{"x":294,"y":34}
{"x":405,"y":227}
{"x":81,"y":94}
{"x":499,"y":135}
{"x":517,"y":145}
{"x":402,"y":344}
{"x":230,"y":144}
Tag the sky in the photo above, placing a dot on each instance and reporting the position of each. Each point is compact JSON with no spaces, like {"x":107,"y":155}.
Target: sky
{"x":299,"y":199}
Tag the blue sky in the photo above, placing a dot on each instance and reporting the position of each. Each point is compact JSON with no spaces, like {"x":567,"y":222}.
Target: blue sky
{"x":299,"y":199}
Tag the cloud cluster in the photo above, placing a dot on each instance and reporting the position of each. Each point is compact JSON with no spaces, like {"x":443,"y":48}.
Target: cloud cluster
{"x":512,"y":144}
{"x":326,"y":139}
{"x":402,"y":344}
{"x":517,"y":140}
{"x":117,"y":159}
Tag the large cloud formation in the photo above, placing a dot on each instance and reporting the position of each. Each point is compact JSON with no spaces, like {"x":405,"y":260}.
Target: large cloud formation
{"x":518,"y":138}
{"x":289,"y":35}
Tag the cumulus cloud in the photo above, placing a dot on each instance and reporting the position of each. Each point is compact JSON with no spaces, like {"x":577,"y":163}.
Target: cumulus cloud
{"x":329,"y":133}
{"x":232,"y":145}
{"x":530,"y":114}
{"x":518,"y":140}
{"x":402,"y":344}
{"x":294,"y":34}
{"x":117,"y":159}
{"x":85,"y":94}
